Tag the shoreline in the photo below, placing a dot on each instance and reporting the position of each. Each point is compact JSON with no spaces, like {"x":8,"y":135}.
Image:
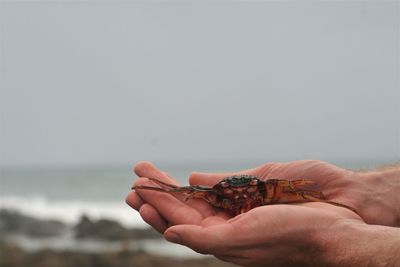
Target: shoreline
{"x":28,"y":241}
{"x":88,"y":235}
{"x":13,"y":255}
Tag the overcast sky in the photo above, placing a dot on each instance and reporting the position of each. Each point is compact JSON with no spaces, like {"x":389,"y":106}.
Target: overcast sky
{"x":116,"y":82}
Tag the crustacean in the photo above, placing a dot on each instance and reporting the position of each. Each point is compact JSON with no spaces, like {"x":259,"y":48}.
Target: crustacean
{"x":241,"y":193}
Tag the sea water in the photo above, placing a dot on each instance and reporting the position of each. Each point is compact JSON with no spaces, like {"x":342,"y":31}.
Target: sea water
{"x":67,"y":193}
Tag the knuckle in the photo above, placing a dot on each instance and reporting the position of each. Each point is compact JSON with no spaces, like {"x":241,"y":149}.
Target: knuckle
{"x":266,"y":169}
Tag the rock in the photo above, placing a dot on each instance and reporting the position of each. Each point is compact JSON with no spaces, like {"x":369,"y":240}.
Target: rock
{"x":110,"y":230}
{"x":12,"y":222}
{"x":12,"y":256}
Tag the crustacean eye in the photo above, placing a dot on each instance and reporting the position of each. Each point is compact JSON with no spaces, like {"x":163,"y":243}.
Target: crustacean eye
{"x":224,"y":184}
{"x":253,"y":182}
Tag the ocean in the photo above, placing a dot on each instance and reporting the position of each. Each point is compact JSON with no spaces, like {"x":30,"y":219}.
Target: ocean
{"x":68,"y":193}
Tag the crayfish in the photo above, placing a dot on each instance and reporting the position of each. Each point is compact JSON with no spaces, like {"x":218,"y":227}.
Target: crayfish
{"x":241,"y":193}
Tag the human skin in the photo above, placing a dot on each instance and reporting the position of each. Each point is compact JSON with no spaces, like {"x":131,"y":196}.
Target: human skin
{"x":316,"y":234}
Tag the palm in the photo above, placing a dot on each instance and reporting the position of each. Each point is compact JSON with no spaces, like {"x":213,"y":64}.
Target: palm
{"x":334,"y":182}
{"x":263,"y":234}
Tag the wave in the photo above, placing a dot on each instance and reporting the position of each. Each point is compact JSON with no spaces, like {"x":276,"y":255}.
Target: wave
{"x":70,"y":211}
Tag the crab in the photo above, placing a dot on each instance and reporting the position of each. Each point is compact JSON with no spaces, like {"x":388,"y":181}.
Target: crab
{"x":240,"y":193}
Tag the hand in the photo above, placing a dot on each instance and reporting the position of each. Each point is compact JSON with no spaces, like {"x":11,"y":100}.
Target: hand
{"x":276,"y":234}
{"x":375,"y":195}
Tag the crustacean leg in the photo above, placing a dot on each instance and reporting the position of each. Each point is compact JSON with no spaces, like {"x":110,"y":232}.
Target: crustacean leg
{"x":290,"y":191}
{"x":189,"y":191}
{"x":161,"y":183}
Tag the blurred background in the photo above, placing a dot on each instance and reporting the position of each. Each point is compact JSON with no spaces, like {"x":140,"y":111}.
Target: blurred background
{"x":89,"y":88}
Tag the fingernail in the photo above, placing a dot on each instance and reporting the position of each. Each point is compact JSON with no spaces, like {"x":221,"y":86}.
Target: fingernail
{"x":173,"y":237}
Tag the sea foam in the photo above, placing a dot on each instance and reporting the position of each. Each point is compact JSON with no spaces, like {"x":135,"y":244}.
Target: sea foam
{"x":70,"y":211}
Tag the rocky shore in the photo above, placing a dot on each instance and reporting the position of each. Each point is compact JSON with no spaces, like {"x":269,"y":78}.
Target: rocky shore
{"x":13,"y":256}
{"x":15,"y":223}
{"x":27,"y":241}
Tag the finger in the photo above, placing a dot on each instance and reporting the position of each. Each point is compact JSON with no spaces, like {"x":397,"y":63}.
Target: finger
{"x":150,"y":215}
{"x":134,"y":200}
{"x":207,"y":179}
{"x":147,"y":169}
{"x":165,"y":206}
{"x":171,"y":208}
{"x":210,"y":179}
{"x":205,"y":240}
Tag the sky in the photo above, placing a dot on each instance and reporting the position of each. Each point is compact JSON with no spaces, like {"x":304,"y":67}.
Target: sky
{"x":86,"y":82}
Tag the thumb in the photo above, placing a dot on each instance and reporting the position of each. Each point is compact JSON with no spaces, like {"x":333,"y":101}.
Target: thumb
{"x":210,"y":179}
{"x":204,"y":240}
{"x":207,"y":179}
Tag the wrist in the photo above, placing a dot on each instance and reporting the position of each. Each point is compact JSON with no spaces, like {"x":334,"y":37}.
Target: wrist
{"x":381,"y":198}
{"x":357,"y":244}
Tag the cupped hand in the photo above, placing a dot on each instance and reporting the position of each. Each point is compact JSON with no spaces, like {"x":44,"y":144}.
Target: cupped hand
{"x":274,"y":235}
{"x":312,"y":233}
